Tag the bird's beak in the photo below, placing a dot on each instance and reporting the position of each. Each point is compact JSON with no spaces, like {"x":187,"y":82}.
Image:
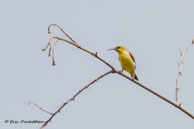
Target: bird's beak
{"x":111,"y":49}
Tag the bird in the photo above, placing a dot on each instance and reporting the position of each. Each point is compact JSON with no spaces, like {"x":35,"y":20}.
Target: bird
{"x":127,"y":60}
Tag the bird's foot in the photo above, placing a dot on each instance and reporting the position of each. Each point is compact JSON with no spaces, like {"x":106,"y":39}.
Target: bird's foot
{"x":120,"y":71}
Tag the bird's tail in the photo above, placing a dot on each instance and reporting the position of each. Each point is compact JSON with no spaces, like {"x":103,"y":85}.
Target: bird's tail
{"x":136,"y":78}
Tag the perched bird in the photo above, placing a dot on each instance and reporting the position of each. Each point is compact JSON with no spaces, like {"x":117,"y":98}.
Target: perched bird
{"x":127,"y":60}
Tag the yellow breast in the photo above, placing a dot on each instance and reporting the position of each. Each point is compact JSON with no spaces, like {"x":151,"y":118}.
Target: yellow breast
{"x":126,"y":61}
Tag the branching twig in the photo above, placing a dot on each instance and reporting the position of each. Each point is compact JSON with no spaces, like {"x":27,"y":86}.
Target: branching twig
{"x":48,"y":45}
{"x":72,"y":42}
{"x":61,"y":31}
{"x":89,"y":52}
{"x":73,"y":98}
{"x":114,"y":70}
{"x":40,"y":107}
{"x":179,"y":70}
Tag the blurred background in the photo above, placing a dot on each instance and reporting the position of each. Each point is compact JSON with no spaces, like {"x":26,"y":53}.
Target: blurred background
{"x":154,"y":31}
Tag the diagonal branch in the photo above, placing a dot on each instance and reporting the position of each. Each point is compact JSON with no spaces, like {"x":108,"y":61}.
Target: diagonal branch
{"x":157,"y":94}
{"x":73,"y":98}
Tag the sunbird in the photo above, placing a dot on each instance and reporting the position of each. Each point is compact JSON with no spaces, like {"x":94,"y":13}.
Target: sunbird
{"x":127,"y":60}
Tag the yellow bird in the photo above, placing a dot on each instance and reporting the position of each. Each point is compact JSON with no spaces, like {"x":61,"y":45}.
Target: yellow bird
{"x":127,"y":60}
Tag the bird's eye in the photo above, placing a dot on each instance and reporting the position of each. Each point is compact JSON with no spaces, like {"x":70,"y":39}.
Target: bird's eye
{"x":118,"y":47}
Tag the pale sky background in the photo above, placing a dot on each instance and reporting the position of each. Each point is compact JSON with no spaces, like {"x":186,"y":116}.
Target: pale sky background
{"x":153,"y":30}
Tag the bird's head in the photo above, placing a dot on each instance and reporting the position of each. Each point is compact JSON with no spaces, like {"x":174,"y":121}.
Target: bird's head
{"x":119,"y":49}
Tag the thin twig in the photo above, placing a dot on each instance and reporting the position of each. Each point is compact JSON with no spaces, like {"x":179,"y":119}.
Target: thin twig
{"x":61,"y":31}
{"x":73,"y":98}
{"x":53,"y":55}
{"x":182,"y":54}
{"x":48,"y":45}
{"x":40,"y":107}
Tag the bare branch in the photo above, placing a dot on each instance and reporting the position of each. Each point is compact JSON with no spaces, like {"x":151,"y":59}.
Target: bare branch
{"x":157,"y":94}
{"x":182,"y":54}
{"x":114,"y":70}
{"x":73,"y":98}
{"x":39,"y":107}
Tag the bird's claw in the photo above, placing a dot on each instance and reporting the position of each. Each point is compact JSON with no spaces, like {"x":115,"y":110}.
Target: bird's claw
{"x":120,"y":71}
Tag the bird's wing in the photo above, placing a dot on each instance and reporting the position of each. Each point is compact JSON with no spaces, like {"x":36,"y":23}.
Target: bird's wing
{"x":132,"y":56}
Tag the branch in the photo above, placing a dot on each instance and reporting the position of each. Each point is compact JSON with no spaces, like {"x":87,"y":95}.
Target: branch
{"x":157,"y":94}
{"x":73,"y":98}
{"x":179,"y":70}
{"x":39,"y":107}
{"x":114,"y":70}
